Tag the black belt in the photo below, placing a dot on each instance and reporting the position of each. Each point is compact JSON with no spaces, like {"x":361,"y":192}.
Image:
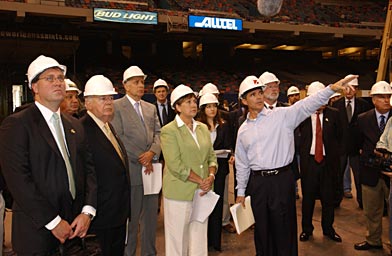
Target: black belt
{"x":271,"y":172}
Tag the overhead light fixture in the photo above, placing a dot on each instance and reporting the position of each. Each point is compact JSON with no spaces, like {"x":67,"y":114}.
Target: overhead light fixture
{"x":252,"y":46}
{"x":349,"y":51}
{"x":285,"y":47}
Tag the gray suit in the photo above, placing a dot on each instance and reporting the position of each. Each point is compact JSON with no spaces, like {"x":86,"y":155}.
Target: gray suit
{"x":137,"y":140}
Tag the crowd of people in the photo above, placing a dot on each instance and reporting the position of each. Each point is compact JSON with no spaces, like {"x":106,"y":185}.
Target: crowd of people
{"x":77,"y":174}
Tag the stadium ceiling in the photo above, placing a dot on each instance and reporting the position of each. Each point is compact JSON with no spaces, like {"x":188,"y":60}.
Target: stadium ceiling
{"x":268,"y":36}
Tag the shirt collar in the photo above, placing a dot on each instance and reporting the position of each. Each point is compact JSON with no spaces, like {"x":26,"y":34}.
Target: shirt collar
{"x":181,"y":123}
{"x":160,"y":104}
{"x":132,"y":100}
{"x":263,"y":112}
{"x":378,"y":114}
{"x":351,"y":100}
{"x":96,"y":119}
{"x":46,"y":112}
{"x":273,"y":105}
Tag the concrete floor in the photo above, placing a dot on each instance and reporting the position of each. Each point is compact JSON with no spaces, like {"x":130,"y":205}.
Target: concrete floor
{"x":349,"y":224}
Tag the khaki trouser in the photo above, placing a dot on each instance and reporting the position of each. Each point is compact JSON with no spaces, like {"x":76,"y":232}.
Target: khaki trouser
{"x":373,"y":207}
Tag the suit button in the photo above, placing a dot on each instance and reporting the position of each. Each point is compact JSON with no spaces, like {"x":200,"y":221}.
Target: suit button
{"x":201,"y":166}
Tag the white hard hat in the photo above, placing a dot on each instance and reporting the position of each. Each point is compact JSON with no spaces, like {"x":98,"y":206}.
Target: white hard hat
{"x":131,"y":72}
{"x":207,"y":99}
{"x":40,"y":64}
{"x":179,"y":92}
{"x":314,"y":88}
{"x":71,"y":86}
{"x":292,"y":90}
{"x":268,"y":77}
{"x":336,"y":94}
{"x":249,"y":83}
{"x":381,"y":87}
{"x":99,"y":85}
{"x":208,"y":88}
{"x":353,"y":82}
{"x":160,"y":83}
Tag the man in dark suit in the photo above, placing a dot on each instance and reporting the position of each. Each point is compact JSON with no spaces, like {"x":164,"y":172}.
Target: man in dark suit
{"x":319,"y":139}
{"x":48,"y":168}
{"x":111,"y":167}
{"x":136,"y":122}
{"x":165,"y":113}
{"x":375,"y":190}
{"x":349,"y":108}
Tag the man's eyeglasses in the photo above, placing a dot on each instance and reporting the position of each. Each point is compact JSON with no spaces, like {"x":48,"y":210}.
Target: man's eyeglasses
{"x":51,"y":79}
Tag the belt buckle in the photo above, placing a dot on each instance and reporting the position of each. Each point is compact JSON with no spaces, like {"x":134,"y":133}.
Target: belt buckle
{"x":269,"y":173}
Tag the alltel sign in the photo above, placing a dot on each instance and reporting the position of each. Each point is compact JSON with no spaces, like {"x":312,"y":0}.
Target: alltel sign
{"x":215,"y":23}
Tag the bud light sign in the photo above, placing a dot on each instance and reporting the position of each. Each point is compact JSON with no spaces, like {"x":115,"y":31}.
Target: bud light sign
{"x":214,"y":23}
{"x":124,"y":16}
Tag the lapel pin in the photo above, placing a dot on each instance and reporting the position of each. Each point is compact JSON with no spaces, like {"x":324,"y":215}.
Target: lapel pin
{"x":73,"y":131}
{"x":326,"y":119}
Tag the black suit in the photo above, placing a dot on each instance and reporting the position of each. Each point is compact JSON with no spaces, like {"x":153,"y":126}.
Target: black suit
{"x":350,"y":147}
{"x":320,"y":179}
{"x":170,"y":113}
{"x":369,"y":135}
{"x":223,"y":141}
{"x":350,"y":129}
{"x":113,"y":189}
{"x":36,"y":175}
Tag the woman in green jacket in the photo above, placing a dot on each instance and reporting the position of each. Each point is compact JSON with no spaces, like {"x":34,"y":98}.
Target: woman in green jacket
{"x":190,"y":165}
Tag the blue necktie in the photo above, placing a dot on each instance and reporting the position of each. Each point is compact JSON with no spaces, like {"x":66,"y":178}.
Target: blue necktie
{"x":382,"y":123}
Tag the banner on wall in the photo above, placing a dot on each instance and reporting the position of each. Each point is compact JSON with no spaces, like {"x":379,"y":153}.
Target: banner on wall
{"x":215,"y":23}
{"x":124,"y":16}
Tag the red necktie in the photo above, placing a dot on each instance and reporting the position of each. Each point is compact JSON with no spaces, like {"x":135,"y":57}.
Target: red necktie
{"x":318,"y":154}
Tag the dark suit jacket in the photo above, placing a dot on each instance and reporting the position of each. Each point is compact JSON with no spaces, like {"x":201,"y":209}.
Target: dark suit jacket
{"x":369,"y":134}
{"x":236,"y":119}
{"x":350,"y":129}
{"x":112,"y":178}
{"x":223,"y":141}
{"x":331,"y":135}
{"x":36,"y":175}
{"x":170,"y":113}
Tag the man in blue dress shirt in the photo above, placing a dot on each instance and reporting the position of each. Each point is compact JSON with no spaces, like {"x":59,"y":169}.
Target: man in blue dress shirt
{"x":264,"y":151}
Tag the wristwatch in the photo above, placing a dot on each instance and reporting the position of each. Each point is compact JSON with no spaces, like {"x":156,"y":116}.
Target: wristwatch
{"x":89,"y":215}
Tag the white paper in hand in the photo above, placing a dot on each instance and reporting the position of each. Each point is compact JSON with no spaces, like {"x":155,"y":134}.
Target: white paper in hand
{"x":222,"y":153}
{"x":202,"y":206}
{"x":152,"y":183}
{"x":243,"y":217}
